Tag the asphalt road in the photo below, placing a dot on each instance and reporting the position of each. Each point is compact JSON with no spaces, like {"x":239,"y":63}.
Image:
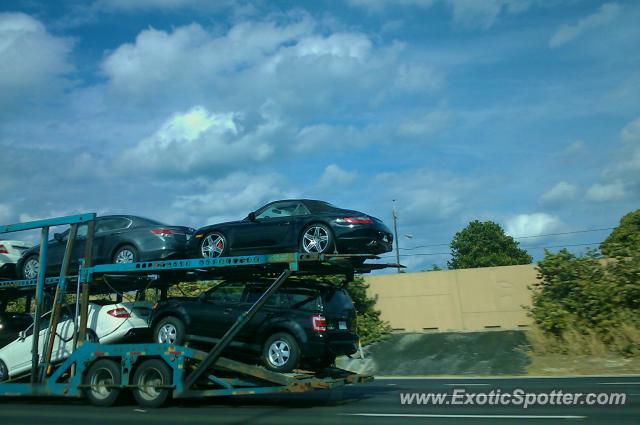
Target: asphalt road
{"x":371,"y":404}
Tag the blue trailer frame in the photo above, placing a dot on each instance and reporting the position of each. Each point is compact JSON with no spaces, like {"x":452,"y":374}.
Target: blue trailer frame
{"x":187,"y":372}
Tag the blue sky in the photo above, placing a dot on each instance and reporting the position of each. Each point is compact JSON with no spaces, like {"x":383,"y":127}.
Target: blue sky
{"x":523,"y":112}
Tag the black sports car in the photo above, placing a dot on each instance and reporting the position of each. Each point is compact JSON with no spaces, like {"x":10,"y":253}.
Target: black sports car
{"x":295,"y":225}
{"x":117,"y":239}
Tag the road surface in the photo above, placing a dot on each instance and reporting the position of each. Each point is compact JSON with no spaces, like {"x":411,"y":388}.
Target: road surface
{"x":369,"y":404}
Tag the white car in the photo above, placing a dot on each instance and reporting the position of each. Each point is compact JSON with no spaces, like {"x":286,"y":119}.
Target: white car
{"x":10,"y":253}
{"x":107,"y":324}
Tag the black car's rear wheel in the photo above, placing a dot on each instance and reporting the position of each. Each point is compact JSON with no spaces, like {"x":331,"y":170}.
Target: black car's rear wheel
{"x":125,"y":254}
{"x":213,"y":245}
{"x":30,"y":267}
{"x":317,"y":239}
{"x":281,"y":352}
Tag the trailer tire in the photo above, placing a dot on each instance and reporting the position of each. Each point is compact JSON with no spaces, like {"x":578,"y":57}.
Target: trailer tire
{"x":281,"y":352}
{"x":101,"y":374}
{"x":148,"y":375}
{"x":4,"y":372}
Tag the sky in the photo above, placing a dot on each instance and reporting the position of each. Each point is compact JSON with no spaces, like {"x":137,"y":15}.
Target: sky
{"x":192,"y":112}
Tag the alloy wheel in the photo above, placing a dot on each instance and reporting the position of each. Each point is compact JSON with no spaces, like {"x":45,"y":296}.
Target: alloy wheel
{"x":212,"y":246}
{"x":30,"y":269}
{"x":167,"y":334}
{"x":124,"y":256}
{"x":279,"y":353}
{"x":315,"y":239}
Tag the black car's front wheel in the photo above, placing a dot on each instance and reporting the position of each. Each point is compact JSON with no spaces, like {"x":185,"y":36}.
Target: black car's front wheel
{"x":4,"y":372}
{"x":169,"y":330}
{"x":317,"y":239}
{"x":281,"y":352}
{"x":213,"y":245}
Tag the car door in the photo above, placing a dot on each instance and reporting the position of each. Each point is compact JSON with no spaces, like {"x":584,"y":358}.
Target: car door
{"x":18,"y":353}
{"x":274,"y":227}
{"x":107,"y":236}
{"x":216,"y":310}
{"x":252,"y":294}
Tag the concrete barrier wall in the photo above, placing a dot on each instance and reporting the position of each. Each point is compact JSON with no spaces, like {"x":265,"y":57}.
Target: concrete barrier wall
{"x":455,"y":300}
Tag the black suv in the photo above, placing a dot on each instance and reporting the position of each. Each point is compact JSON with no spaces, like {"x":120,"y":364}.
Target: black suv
{"x":302,"y":323}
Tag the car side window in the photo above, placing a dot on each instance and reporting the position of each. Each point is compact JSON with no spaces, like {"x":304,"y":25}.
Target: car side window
{"x":81,"y":234}
{"x":111,"y":224}
{"x":226,"y":294}
{"x":283,"y":209}
{"x":253,"y":294}
{"x":303,"y":300}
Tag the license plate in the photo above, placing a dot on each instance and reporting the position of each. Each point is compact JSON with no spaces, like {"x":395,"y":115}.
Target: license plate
{"x":342,"y":326}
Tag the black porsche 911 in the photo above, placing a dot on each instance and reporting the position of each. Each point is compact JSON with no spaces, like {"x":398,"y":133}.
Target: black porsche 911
{"x":117,"y":239}
{"x":302,"y":225}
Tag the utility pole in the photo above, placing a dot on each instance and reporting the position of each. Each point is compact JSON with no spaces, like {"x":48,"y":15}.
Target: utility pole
{"x":395,"y":234}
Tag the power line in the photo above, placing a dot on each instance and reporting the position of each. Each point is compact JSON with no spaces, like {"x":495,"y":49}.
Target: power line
{"x":519,"y":237}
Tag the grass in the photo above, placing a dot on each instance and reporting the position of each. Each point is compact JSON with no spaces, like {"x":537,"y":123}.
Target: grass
{"x":585,"y":352}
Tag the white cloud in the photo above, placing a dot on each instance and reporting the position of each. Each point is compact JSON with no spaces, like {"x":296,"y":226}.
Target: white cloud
{"x":606,"y":192}
{"x":232,"y":197}
{"x":33,"y":63}
{"x":532,"y":224}
{"x":334,"y":176}
{"x":482,"y":14}
{"x":566,"y":33}
{"x":631,"y":132}
{"x":561,"y":192}
{"x":380,"y":5}
{"x":575,"y":148}
{"x":6,"y":213}
{"x":131,"y":6}
{"x":431,"y":123}
{"x":197,"y":141}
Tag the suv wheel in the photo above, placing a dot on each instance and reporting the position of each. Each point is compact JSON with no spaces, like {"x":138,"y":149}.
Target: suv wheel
{"x":281,"y":352}
{"x":169,"y":330}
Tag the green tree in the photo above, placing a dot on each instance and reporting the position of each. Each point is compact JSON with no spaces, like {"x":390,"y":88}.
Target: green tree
{"x":484,"y":244}
{"x":624,"y":240}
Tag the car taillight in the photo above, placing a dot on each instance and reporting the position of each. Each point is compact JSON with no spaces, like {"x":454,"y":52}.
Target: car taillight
{"x":3,"y":249}
{"x":166,"y":232}
{"x":355,"y":220}
{"x":120,"y":313}
{"x":319,"y":323}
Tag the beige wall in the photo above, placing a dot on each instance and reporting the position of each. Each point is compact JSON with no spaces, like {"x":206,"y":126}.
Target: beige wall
{"x":469,"y":299}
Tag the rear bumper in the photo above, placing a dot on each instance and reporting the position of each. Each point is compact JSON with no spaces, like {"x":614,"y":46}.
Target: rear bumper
{"x":363,"y":245}
{"x":326,"y":344}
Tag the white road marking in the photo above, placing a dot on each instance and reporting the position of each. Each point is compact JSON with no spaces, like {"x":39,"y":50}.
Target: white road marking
{"x":466,"y":384}
{"x":392,"y":385}
{"x":418,"y":415}
{"x":618,"y":383}
{"x":140,"y":410}
{"x":496,"y":378}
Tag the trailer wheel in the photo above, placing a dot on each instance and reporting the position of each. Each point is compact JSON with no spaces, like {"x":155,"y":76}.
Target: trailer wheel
{"x":150,"y":375}
{"x":101,"y":378}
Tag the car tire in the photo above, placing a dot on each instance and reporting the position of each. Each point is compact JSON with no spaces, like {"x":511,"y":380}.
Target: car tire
{"x":126,"y":254}
{"x":281,"y":353}
{"x":101,"y":375}
{"x":30,"y":267}
{"x":4,"y":372}
{"x":149,"y":375}
{"x":169,"y":330}
{"x":317,"y":238}
{"x":213,"y":245}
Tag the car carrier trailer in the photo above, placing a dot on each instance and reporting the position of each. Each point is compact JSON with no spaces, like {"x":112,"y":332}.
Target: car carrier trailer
{"x":154,"y":373}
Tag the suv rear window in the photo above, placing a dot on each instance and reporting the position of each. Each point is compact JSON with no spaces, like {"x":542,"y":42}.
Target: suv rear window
{"x":337,"y":301}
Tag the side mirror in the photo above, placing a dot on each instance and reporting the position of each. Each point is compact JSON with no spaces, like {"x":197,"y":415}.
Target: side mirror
{"x":252,"y":216}
{"x":22,"y":335}
{"x":58,"y":237}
